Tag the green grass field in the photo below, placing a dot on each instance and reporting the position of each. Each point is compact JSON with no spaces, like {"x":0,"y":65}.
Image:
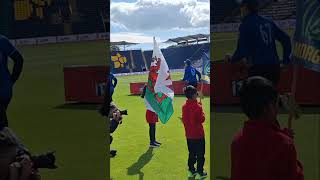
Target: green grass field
{"x":134,"y":159}
{"x":38,"y":115}
{"x":228,"y":120}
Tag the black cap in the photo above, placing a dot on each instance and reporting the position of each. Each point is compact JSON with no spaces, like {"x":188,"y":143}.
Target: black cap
{"x":250,"y":3}
{"x":188,"y":62}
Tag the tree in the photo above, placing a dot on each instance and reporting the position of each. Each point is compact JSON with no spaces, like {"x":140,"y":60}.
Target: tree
{"x":114,"y":48}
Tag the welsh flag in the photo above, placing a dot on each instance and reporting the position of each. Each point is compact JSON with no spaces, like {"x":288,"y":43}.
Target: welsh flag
{"x":159,"y":93}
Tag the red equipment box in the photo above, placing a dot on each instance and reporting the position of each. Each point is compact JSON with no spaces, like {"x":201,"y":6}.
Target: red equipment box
{"x":226,"y":80}
{"x":135,"y":88}
{"x":85,"y":84}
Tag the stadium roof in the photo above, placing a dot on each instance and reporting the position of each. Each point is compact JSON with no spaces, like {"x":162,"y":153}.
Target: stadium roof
{"x":190,"y":39}
{"x":123,"y":43}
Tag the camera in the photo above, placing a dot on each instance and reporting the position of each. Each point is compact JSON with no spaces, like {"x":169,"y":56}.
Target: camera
{"x":43,"y":161}
{"x":124,"y":112}
{"x":105,"y":110}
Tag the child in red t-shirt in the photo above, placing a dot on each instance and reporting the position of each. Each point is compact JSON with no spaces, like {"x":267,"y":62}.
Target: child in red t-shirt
{"x":152,"y":119}
{"x":193,"y":117}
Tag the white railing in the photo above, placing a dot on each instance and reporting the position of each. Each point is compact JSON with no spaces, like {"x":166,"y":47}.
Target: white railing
{"x":234,"y":27}
{"x":60,"y":39}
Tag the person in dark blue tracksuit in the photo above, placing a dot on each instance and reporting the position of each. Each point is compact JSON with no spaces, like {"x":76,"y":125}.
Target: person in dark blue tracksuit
{"x":190,"y":74}
{"x":7,"y":79}
{"x":112,"y":84}
{"x":257,"y":43}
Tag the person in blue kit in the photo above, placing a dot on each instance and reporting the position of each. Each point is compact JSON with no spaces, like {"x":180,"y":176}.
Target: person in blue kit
{"x":257,"y":43}
{"x":190,"y":74}
{"x":112,"y":83}
{"x":7,"y":79}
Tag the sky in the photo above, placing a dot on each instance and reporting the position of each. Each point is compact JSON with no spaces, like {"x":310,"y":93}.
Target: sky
{"x":139,"y":20}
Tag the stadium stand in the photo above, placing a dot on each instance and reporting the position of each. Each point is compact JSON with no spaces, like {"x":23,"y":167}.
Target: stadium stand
{"x":222,"y":9}
{"x":285,"y":9}
{"x":32,"y":9}
{"x":38,"y":18}
{"x":274,"y":9}
{"x":138,"y":60}
{"x":6,"y":17}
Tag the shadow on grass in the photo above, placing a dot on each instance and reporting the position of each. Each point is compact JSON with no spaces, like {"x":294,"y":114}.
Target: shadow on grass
{"x":222,"y":178}
{"x":237,"y":109}
{"x":79,"y":106}
{"x":193,"y":178}
{"x":144,"y":159}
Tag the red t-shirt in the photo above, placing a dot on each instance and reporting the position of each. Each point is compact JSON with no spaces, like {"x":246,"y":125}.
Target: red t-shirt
{"x":193,"y":117}
{"x":262,"y":151}
{"x":151,"y":117}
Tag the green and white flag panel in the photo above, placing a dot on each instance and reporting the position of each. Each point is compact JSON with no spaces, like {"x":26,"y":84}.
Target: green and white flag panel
{"x":159,"y":94}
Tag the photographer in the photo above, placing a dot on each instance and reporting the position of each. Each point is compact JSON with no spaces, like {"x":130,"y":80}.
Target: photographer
{"x":13,"y":167}
{"x":115,"y":117}
{"x":23,"y":170}
{"x":16,"y":162}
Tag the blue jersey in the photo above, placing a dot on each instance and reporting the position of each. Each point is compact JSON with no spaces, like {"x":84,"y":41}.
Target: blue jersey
{"x":112,"y":83}
{"x":190,"y":74}
{"x":6,"y":49}
{"x":257,"y":41}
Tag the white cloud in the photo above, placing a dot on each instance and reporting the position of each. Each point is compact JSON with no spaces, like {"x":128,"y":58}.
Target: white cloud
{"x":118,"y":27}
{"x":132,"y":37}
{"x":147,"y":15}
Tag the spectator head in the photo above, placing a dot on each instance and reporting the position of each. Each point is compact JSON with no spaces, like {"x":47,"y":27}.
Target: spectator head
{"x":187,"y":62}
{"x":248,"y":7}
{"x":191,"y":92}
{"x":258,"y":98}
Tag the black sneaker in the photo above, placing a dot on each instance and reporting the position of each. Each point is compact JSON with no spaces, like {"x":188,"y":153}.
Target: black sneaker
{"x":113,"y":153}
{"x":156,"y":142}
{"x":154,"y":145}
{"x":201,"y":175}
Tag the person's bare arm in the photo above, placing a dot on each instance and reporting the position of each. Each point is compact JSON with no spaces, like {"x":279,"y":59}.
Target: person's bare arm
{"x":14,"y":171}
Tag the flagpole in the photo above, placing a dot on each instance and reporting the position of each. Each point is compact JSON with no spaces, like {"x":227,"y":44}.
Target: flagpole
{"x":103,"y":23}
{"x":201,"y":91}
{"x":317,"y":142}
{"x":293,"y":94}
